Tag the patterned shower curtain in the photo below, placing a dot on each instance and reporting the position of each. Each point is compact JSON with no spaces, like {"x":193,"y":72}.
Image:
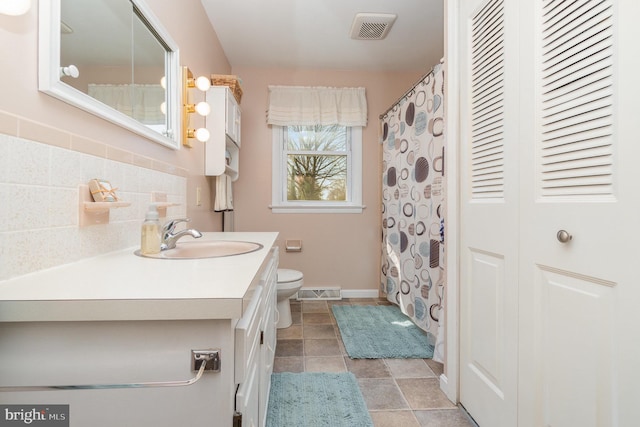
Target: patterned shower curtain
{"x":412,"y":206}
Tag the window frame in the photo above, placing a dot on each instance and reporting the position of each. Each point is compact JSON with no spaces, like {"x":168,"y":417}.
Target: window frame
{"x":279,"y":202}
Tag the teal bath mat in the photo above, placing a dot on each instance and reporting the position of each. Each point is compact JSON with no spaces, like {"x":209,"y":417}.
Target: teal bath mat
{"x":316,"y":399}
{"x":380,"y":332}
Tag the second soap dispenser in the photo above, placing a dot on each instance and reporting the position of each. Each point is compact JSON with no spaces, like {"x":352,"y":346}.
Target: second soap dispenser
{"x":150,"y":233}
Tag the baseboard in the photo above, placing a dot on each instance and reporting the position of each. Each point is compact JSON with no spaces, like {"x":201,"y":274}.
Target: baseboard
{"x":444,"y":383}
{"x":446,"y":389}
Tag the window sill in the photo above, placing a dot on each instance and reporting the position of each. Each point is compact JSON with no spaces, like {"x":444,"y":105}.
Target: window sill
{"x":330,"y":209}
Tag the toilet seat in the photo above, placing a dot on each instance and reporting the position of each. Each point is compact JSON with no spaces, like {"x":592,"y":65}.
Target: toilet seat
{"x":286,"y":275}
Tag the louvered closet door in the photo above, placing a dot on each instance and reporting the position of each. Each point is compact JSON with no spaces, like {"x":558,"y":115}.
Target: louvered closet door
{"x":550,"y":212}
{"x":489,"y":202}
{"x":579,"y":299}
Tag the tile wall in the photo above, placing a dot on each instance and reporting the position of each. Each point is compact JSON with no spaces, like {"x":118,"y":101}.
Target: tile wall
{"x":40,"y":174}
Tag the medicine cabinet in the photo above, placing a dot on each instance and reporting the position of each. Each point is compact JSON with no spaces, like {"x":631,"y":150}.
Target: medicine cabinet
{"x":223,"y":148}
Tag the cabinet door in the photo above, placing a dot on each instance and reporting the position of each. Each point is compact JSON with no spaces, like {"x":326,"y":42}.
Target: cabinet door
{"x":269,"y":342}
{"x":248,"y":398}
{"x":232,"y":124}
{"x":248,"y":336}
{"x":255,"y":347}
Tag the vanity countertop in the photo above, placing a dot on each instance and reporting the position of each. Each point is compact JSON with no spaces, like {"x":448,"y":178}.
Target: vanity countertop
{"x":122,"y":286}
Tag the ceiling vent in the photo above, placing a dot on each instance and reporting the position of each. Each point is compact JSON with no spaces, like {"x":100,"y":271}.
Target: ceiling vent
{"x":372,"y":26}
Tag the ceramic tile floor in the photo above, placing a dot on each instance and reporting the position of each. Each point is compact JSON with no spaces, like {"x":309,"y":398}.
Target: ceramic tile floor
{"x":398,"y":392}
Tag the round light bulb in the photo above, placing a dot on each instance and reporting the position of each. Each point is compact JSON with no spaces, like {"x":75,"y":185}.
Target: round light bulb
{"x":203,"y":108}
{"x":203,"y":83}
{"x":202,"y":135}
{"x":15,"y":7}
{"x":163,"y":82}
{"x":163,"y":108}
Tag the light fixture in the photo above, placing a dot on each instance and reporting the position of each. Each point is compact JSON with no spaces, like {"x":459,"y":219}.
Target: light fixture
{"x":14,"y":7}
{"x":203,"y":83}
{"x":202,"y":108}
{"x":201,"y":134}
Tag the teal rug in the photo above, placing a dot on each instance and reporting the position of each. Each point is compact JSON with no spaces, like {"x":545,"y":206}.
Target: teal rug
{"x":316,"y":399}
{"x":380,"y":332}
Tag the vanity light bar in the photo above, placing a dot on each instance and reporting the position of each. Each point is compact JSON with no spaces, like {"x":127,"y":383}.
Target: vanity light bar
{"x":188,"y":82}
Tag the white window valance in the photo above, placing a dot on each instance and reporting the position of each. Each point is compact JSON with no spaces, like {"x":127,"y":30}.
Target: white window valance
{"x":297,"y":105}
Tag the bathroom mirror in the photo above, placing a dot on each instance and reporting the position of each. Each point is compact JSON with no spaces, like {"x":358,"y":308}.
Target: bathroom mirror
{"x":113,"y":59}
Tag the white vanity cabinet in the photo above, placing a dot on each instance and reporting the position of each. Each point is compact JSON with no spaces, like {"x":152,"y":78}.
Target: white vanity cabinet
{"x":255,"y":350}
{"x":146,"y":337}
{"x":223,"y":148}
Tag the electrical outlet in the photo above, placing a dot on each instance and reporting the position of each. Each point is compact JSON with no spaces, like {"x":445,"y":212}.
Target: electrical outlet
{"x":198,"y":196}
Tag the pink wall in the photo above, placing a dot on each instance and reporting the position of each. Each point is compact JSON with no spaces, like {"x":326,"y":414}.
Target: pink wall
{"x":338,"y":249}
{"x":200,"y":49}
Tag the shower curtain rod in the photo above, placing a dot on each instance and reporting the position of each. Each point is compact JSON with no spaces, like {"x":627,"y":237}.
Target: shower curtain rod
{"x":383,"y":115}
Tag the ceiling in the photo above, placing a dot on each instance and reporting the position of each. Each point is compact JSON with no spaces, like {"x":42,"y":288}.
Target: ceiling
{"x":316,"y":34}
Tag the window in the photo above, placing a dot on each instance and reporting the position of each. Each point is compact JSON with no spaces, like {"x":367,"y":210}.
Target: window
{"x":317,"y":169}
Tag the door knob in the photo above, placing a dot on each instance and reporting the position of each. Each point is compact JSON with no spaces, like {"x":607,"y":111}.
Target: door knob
{"x":564,"y":236}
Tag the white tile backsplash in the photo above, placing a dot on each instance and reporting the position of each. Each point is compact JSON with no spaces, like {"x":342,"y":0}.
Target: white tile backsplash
{"x":66,"y":167}
{"x":28,"y":207}
{"x":39,"y":205}
{"x":59,"y":213}
{"x":28,"y":163}
{"x":4,"y":208}
{"x":4,"y":157}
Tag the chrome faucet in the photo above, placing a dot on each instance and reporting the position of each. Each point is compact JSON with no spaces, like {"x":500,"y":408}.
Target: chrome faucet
{"x":170,"y":237}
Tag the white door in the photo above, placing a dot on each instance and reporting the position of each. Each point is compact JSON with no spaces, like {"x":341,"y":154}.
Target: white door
{"x":572,"y":297}
{"x":488,"y":59}
{"x":579,"y":140}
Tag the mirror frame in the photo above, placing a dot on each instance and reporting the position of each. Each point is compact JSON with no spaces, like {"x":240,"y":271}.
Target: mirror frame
{"x":49,"y":76}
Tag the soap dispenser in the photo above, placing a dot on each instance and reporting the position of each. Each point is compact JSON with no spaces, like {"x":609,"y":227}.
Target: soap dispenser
{"x":150,"y":242}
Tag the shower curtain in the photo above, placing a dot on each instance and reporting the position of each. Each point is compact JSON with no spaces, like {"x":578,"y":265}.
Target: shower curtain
{"x":412,"y":273}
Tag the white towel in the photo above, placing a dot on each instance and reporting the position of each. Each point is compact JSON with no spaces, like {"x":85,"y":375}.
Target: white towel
{"x":223,"y":200}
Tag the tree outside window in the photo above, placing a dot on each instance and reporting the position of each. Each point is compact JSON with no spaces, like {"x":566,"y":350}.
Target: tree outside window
{"x":317,"y":162}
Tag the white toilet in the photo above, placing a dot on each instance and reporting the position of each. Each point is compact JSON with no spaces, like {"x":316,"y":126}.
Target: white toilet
{"x":289,"y":282}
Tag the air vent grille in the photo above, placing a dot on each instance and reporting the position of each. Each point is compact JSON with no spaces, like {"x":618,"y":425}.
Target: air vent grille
{"x":372,"y":26}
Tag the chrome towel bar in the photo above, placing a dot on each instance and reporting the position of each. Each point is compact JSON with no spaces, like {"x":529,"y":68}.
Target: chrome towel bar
{"x":211,"y":357}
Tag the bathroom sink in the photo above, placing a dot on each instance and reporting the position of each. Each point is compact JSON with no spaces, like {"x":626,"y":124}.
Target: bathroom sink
{"x":206,"y":249}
